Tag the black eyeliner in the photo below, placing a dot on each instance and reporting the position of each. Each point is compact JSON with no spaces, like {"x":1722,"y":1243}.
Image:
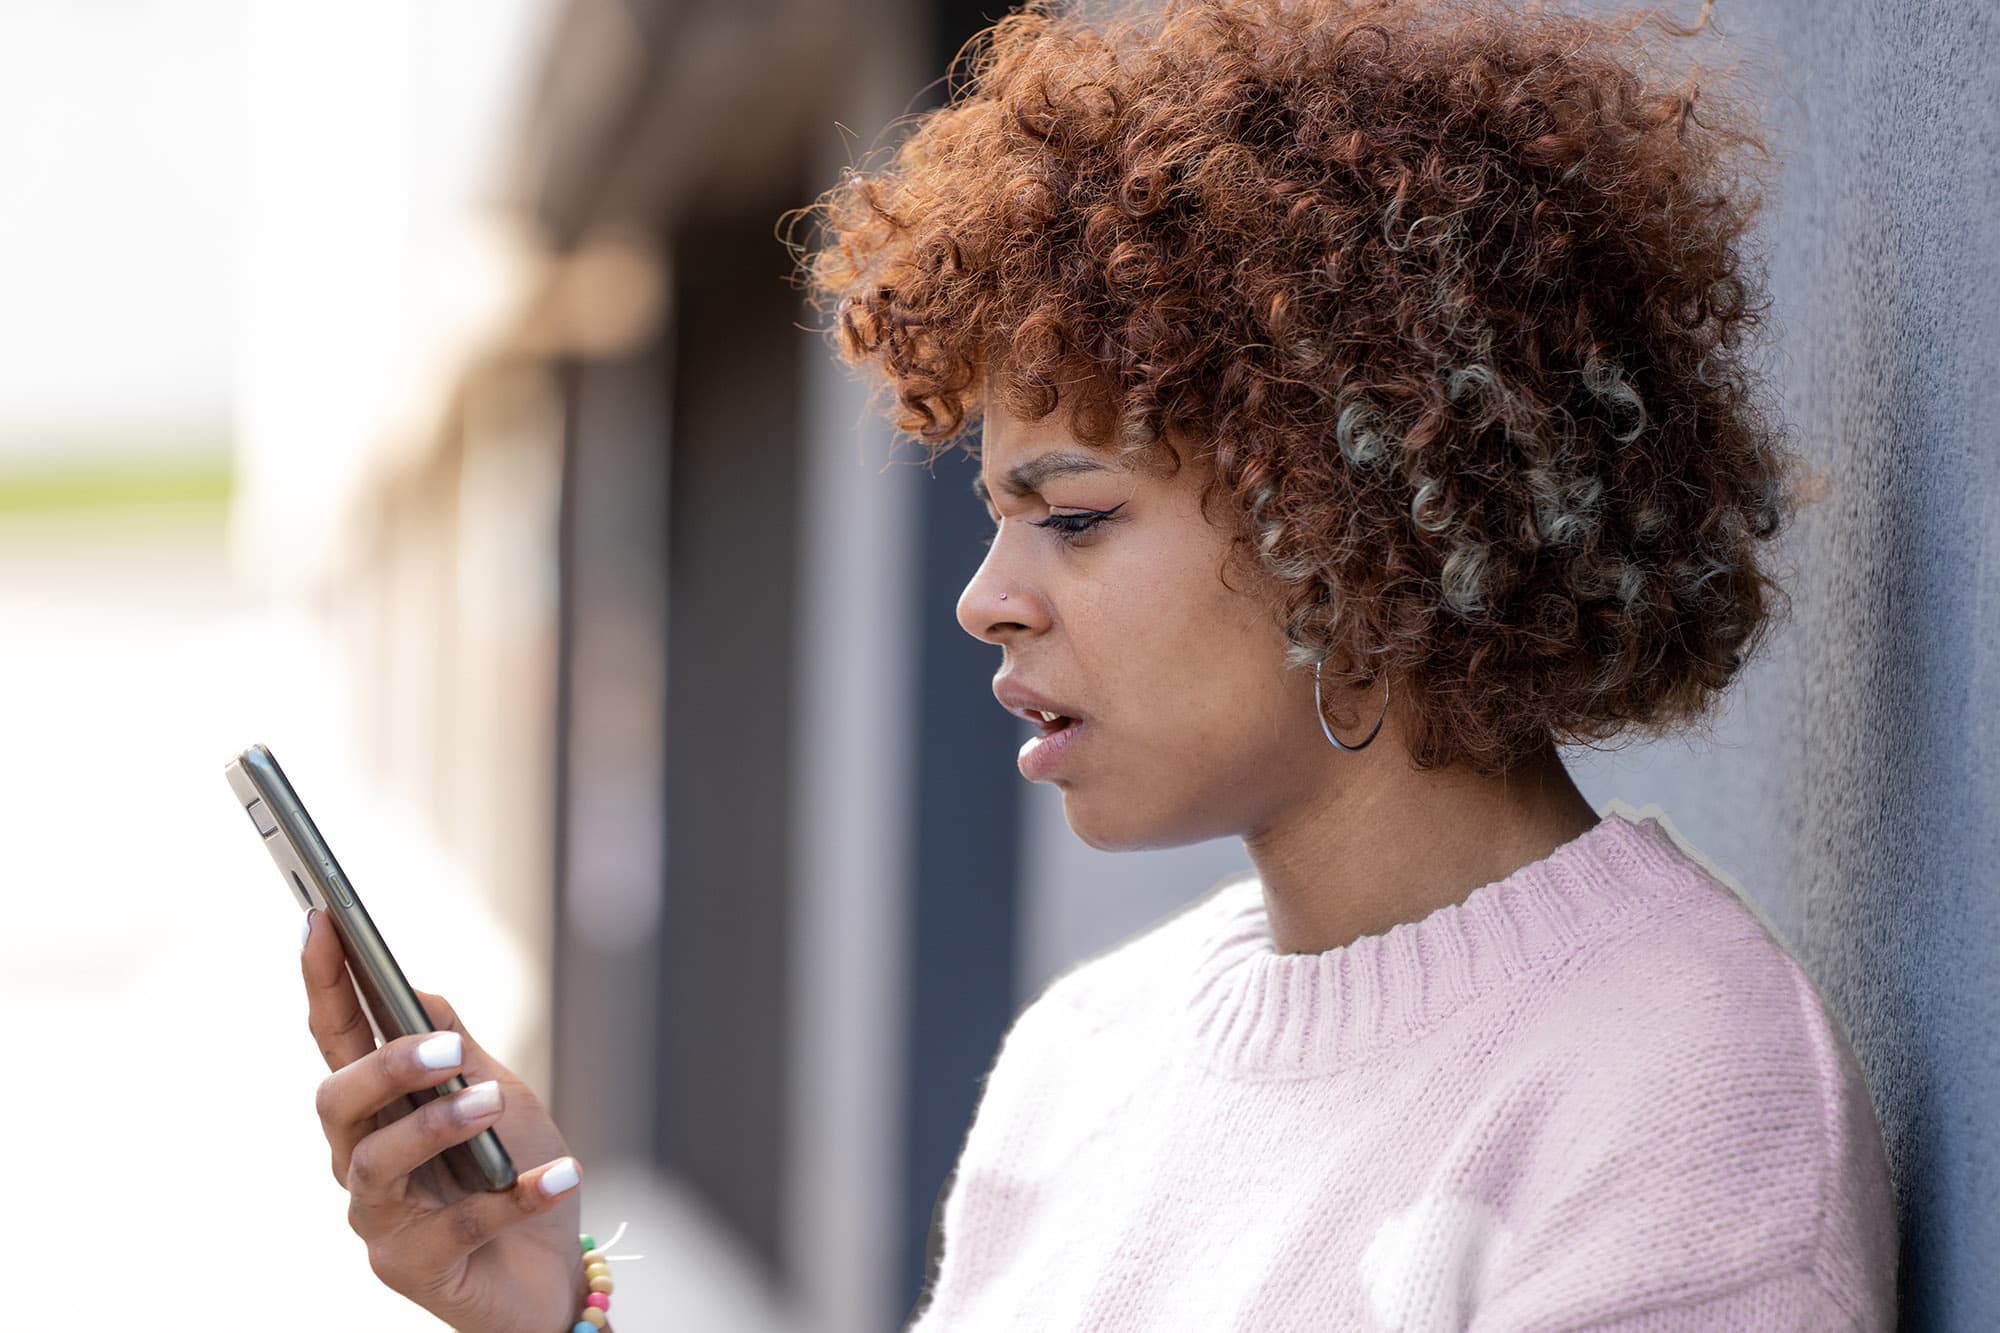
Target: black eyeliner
{"x":1088,"y":520}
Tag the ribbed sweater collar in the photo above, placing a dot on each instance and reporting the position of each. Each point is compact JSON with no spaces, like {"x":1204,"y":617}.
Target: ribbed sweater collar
{"x":1255,"y":1013}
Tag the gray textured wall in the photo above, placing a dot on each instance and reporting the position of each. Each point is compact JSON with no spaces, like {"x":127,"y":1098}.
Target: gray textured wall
{"x":1849,"y":786}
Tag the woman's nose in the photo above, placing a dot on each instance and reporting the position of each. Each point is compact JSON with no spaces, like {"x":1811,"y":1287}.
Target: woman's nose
{"x":993,"y":605}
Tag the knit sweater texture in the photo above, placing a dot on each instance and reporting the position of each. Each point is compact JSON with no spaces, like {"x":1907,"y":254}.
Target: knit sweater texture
{"x":1596,"y":1094}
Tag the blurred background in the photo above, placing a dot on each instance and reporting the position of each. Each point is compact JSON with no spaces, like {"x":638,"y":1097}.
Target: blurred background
{"x":417,"y":388}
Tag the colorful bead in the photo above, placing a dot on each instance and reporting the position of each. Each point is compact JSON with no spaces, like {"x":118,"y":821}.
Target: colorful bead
{"x":597,"y":1272}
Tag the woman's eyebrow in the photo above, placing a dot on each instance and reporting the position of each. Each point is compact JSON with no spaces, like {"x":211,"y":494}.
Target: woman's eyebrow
{"x":1027,"y":477}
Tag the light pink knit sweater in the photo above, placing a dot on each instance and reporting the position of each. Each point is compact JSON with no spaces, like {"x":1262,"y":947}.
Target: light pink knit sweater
{"x":1596,"y":1094}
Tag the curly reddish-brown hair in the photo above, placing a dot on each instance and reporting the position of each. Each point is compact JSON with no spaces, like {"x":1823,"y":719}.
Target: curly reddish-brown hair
{"x":1451,"y":298}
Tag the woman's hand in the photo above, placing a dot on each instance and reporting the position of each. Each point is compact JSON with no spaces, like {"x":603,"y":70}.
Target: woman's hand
{"x":486,"y":1262}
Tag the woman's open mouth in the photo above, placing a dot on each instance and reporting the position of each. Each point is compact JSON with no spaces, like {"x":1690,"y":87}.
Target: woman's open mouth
{"x":1056,"y":732}
{"x":1042,"y":754}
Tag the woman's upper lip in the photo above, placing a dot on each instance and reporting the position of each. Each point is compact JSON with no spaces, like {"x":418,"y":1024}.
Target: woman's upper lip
{"x":1029,"y":704}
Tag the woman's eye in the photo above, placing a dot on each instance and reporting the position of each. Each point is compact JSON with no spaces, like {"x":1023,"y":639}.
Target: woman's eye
{"x":1069,"y":527}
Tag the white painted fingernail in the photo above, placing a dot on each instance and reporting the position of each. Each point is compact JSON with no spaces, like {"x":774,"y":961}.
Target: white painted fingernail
{"x":305,"y":929}
{"x":440,"y":1052}
{"x":560,"y":1177}
{"x":478,"y":1100}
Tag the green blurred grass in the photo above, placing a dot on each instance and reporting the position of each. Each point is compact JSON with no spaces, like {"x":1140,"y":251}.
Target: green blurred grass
{"x":197,"y":482}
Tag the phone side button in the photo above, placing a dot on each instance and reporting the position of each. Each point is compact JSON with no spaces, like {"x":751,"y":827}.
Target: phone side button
{"x":340,"y":891}
{"x":260,"y":815}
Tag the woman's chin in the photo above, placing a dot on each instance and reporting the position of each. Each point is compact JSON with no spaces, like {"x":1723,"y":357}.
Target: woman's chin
{"x":1110,"y":826}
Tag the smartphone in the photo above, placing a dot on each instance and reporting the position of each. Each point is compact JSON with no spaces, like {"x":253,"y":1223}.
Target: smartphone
{"x":316,"y":880}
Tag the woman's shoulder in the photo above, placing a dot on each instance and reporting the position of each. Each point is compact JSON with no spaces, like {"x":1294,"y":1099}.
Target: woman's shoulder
{"x":1696,"y":965}
{"x":1061,"y":1036}
{"x":1134,"y":976}
{"x":1700,"y":1073}
{"x":1696,"y":989}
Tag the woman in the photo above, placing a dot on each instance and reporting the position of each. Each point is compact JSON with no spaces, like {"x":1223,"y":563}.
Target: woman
{"x":1367,"y":372}
{"x":1363,"y":416}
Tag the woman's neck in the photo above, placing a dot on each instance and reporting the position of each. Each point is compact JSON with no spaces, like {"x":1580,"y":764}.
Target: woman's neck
{"x":1392,"y":845}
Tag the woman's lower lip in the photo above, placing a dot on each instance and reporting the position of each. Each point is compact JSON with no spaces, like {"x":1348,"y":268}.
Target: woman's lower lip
{"x":1040,"y":757}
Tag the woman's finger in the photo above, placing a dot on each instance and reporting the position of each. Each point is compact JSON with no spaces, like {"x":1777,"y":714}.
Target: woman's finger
{"x":458,"y":1229}
{"x":378,"y":1173}
{"x":333,"y":1009}
{"x":445,"y":1019}
{"x":349,"y":1098}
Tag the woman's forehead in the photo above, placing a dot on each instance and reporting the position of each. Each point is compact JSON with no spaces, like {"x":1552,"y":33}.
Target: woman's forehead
{"x":1008,"y":443}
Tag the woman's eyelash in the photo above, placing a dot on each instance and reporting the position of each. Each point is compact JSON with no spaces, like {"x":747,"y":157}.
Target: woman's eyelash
{"x":1069,"y":527}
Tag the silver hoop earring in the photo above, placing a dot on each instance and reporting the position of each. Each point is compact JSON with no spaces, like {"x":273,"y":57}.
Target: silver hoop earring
{"x":1321,"y":715}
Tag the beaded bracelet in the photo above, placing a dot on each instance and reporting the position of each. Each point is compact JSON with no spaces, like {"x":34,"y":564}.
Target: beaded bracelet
{"x":597,"y":1273}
